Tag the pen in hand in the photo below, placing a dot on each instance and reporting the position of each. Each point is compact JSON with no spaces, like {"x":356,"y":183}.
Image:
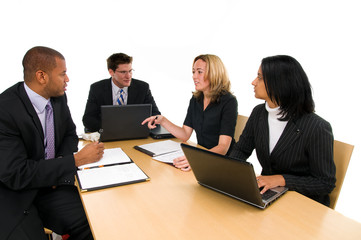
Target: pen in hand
{"x":156,"y":117}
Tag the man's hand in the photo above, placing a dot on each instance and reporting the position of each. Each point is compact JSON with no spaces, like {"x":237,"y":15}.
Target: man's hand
{"x":92,"y":152}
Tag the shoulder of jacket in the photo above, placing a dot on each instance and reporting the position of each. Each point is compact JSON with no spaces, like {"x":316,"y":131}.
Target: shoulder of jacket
{"x":314,"y":118}
{"x":101,"y":82}
{"x":11,"y":93}
{"x":311,"y":121}
{"x":260,"y":107}
{"x":139,"y":82}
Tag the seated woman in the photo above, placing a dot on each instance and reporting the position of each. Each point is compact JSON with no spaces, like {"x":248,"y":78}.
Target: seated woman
{"x":212,"y":110}
{"x":294,"y":145}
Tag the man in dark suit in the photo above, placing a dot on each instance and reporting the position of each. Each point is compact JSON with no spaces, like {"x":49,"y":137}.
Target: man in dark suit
{"x":120,"y":89}
{"x":37,"y":160}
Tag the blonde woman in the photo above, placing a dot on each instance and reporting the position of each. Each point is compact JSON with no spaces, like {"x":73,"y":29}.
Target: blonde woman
{"x":212,"y":111}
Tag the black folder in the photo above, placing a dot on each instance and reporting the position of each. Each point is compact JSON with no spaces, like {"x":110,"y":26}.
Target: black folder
{"x":118,"y":172}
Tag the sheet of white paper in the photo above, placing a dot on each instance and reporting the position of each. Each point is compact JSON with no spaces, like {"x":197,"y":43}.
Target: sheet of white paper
{"x":162,"y":147}
{"x":111,"y":156}
{"x":168,"y":158}
{"x":104,"y":176}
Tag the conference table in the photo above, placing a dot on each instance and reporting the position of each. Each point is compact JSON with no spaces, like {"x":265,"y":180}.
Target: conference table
{"x":172,"y":205}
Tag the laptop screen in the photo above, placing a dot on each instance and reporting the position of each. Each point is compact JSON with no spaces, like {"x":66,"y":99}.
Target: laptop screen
{"x":229,"y":176}
{"x":124,"y":122}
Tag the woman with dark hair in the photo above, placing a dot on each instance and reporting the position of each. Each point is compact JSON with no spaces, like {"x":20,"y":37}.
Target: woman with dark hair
{"x":294,"y":145}
{"x":212,"y":111}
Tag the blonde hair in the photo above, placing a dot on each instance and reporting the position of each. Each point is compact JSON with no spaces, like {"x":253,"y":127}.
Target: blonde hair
{"x":217,"y":76}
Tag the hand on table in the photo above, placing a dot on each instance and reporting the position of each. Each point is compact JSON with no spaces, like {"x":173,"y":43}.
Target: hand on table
{"x":182,"y":163}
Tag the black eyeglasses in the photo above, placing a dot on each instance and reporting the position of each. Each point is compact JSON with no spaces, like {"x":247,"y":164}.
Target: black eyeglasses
{"x":125,"y":72}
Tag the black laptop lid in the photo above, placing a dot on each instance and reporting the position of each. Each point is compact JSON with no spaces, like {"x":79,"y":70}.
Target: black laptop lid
{"x":160,"y":133}
{"x":224,"y":174}
{"x":124,"y":122}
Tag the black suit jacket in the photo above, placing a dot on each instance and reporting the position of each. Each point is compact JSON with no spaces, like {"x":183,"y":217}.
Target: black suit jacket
{"x":101,"y":94}
{"x":303,"y":154}
{"x":23,"y":170}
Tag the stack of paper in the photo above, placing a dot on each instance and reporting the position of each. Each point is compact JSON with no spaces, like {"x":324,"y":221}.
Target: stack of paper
{"x":164,"y":151}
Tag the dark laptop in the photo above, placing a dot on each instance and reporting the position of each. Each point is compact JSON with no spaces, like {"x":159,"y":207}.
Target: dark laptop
{"x":124,"y":122}
{"x":160,"y":133}
{"x":229,"y":176}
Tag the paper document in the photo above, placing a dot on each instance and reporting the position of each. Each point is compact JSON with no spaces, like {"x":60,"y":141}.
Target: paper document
{"x":111,"y":156}
{"x":102,"y":177}
{"x":169,"y":157}
{"x":159,"y":148}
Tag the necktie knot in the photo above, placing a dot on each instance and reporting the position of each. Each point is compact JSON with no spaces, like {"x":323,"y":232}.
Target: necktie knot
{"x":48,"y":108}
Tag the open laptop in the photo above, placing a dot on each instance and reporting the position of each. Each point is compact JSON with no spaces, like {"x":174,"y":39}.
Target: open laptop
{"x":160,"y":133}
{"x":124,"y":122}
{"x":229,"y":176}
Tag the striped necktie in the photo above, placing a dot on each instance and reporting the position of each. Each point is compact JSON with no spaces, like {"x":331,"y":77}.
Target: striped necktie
{"x":120,"y":100}
{"x":49,"y":132}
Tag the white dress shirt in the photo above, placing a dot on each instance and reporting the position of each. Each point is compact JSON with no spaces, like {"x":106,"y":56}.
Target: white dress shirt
{"x":116,"y":93}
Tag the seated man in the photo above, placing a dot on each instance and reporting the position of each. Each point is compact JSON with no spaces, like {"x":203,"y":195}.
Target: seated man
{"x":37,"y":161}
{"x":120,"y":89}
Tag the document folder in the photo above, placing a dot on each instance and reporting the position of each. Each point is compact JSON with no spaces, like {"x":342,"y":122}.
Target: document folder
{"x":109,"y":172}
{"x":159,"y":148}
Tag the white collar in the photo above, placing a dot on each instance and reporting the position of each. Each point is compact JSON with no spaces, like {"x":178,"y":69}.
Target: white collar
{"x":38,"y":101}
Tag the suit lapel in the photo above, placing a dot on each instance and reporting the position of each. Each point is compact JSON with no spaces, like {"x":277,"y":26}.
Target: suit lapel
{"x":264,"y":131}
{"x":263,"y":144}
{"x":57,"y":118}
{"x":108,"y":93}
{"x":31,"y":111}
{"x":290,"y":134}
{"x":131,"y":93}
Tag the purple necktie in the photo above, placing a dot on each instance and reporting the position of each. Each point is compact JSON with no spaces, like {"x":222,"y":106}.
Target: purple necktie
{"x":49,"y":132}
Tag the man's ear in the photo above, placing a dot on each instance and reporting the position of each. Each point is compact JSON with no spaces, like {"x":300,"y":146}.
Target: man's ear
{"x":41,"y":77}
{"x":111,"y":72}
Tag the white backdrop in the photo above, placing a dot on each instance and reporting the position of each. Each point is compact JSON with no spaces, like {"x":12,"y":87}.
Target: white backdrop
{"x":165,"y":36}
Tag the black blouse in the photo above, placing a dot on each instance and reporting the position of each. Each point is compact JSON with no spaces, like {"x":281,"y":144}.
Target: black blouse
{"x":217,"y":119}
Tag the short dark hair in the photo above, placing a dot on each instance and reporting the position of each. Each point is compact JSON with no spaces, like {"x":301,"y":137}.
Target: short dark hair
{"x":39,"y":58}
{"x":118,"y":58}
{"x":287,"y":85}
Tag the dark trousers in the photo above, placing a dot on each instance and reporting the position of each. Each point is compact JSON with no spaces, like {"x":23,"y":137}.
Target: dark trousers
{"x":58,"y":209}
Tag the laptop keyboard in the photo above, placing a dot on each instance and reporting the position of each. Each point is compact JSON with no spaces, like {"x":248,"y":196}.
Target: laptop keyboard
{"x":268,"y":194}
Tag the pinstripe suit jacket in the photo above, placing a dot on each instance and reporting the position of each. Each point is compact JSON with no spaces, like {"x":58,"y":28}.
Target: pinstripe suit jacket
{"x":303,"y":154}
